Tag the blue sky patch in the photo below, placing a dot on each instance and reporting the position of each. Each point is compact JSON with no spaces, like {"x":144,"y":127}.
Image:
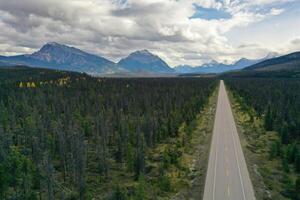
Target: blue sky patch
{"x":210,"y":13}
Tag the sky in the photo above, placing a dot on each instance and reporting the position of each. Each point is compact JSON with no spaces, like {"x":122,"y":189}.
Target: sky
{"x":190,"y":32}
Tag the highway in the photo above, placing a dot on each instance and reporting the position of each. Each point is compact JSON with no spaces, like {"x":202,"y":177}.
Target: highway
{"x":227,"y":174}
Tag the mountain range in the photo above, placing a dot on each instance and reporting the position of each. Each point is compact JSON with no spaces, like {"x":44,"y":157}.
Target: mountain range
{"x":62,"y":57}
{"x":216,"y":67}
{"x":58,"y":56}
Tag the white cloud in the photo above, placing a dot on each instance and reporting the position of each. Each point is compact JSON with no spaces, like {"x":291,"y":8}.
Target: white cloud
{"x":264,"y":2}
{"x":275,"y":11}
{"x":114,"y":28}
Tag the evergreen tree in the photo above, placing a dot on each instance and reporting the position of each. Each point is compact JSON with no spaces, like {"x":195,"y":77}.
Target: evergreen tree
{"x":285,"y":165}
{"x":4,"y":182}
{"x":274,"y":150}
{"x":268,"y":119}
{"x":140,"y":193}
{"x":284,"y":134}
{"x":119,"y":194}
{"x":139,"y":164}
{"x":297,"y":162}
{"x":297,"y":188}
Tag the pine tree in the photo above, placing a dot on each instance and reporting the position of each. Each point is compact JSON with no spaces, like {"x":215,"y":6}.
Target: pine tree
{"x":101,"y":146}
{"x":130,"y":158}
{"x":284,"y":134}
{"x":274,"y":150}
{"x":80,"y":165}
{"x":4,"y":182}
{"x":139,"y":164}
{"x":140,"y":193}
{"x":285,"y":165}
{"x":297,"y":188}
{"x":268,"y":119}
{"x":119,"y":194}
{"x":297,"y":162}
{"x":49,"y":176}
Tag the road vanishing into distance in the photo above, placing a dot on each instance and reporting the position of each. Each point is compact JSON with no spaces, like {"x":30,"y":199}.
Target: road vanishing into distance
{"x":227,"y":175}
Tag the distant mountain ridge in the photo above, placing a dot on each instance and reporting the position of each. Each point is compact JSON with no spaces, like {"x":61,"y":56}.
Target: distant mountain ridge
{"x":215,"y":67}
{"x":144,"y":61}
{"x":212,"y":67}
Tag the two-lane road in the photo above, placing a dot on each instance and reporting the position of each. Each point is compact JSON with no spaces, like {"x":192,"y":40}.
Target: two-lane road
{"x":227,"y":175}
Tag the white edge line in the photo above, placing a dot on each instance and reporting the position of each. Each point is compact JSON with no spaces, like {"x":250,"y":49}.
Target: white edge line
{"x":216,"y":162}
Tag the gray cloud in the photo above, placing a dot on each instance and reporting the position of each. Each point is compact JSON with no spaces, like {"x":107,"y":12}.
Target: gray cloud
{"x":296,"y":41}
{"x":248,"y":46}
{"x":114,"y":28}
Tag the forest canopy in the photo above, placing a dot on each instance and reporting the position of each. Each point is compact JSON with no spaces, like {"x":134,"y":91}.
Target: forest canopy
{"x":59,"y":129}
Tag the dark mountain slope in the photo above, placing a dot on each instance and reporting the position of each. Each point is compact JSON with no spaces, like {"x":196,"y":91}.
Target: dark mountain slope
{"x":289,"y":62}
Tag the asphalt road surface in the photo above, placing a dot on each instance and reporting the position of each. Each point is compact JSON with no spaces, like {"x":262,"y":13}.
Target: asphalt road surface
{"x":227,"y":175}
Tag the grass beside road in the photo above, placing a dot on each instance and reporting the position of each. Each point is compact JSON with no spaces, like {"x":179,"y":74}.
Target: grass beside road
{"x":196,"y":154}
{"x":267,"y":175}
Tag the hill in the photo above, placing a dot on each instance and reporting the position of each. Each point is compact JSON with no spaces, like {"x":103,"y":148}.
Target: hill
{"x":289,"y":62}
{"x":15,"y":74}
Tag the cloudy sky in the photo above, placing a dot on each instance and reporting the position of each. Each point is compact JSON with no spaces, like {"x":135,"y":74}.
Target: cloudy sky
{"x":180,"y":31}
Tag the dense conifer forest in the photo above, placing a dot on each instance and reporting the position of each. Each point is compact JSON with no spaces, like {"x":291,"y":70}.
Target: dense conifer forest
{"x":59,"y":129}
{"x":277,"y":102}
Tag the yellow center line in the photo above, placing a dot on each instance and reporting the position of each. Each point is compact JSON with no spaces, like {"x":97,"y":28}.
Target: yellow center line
{"x":227,"y":171}
{"x":228,"y":191}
